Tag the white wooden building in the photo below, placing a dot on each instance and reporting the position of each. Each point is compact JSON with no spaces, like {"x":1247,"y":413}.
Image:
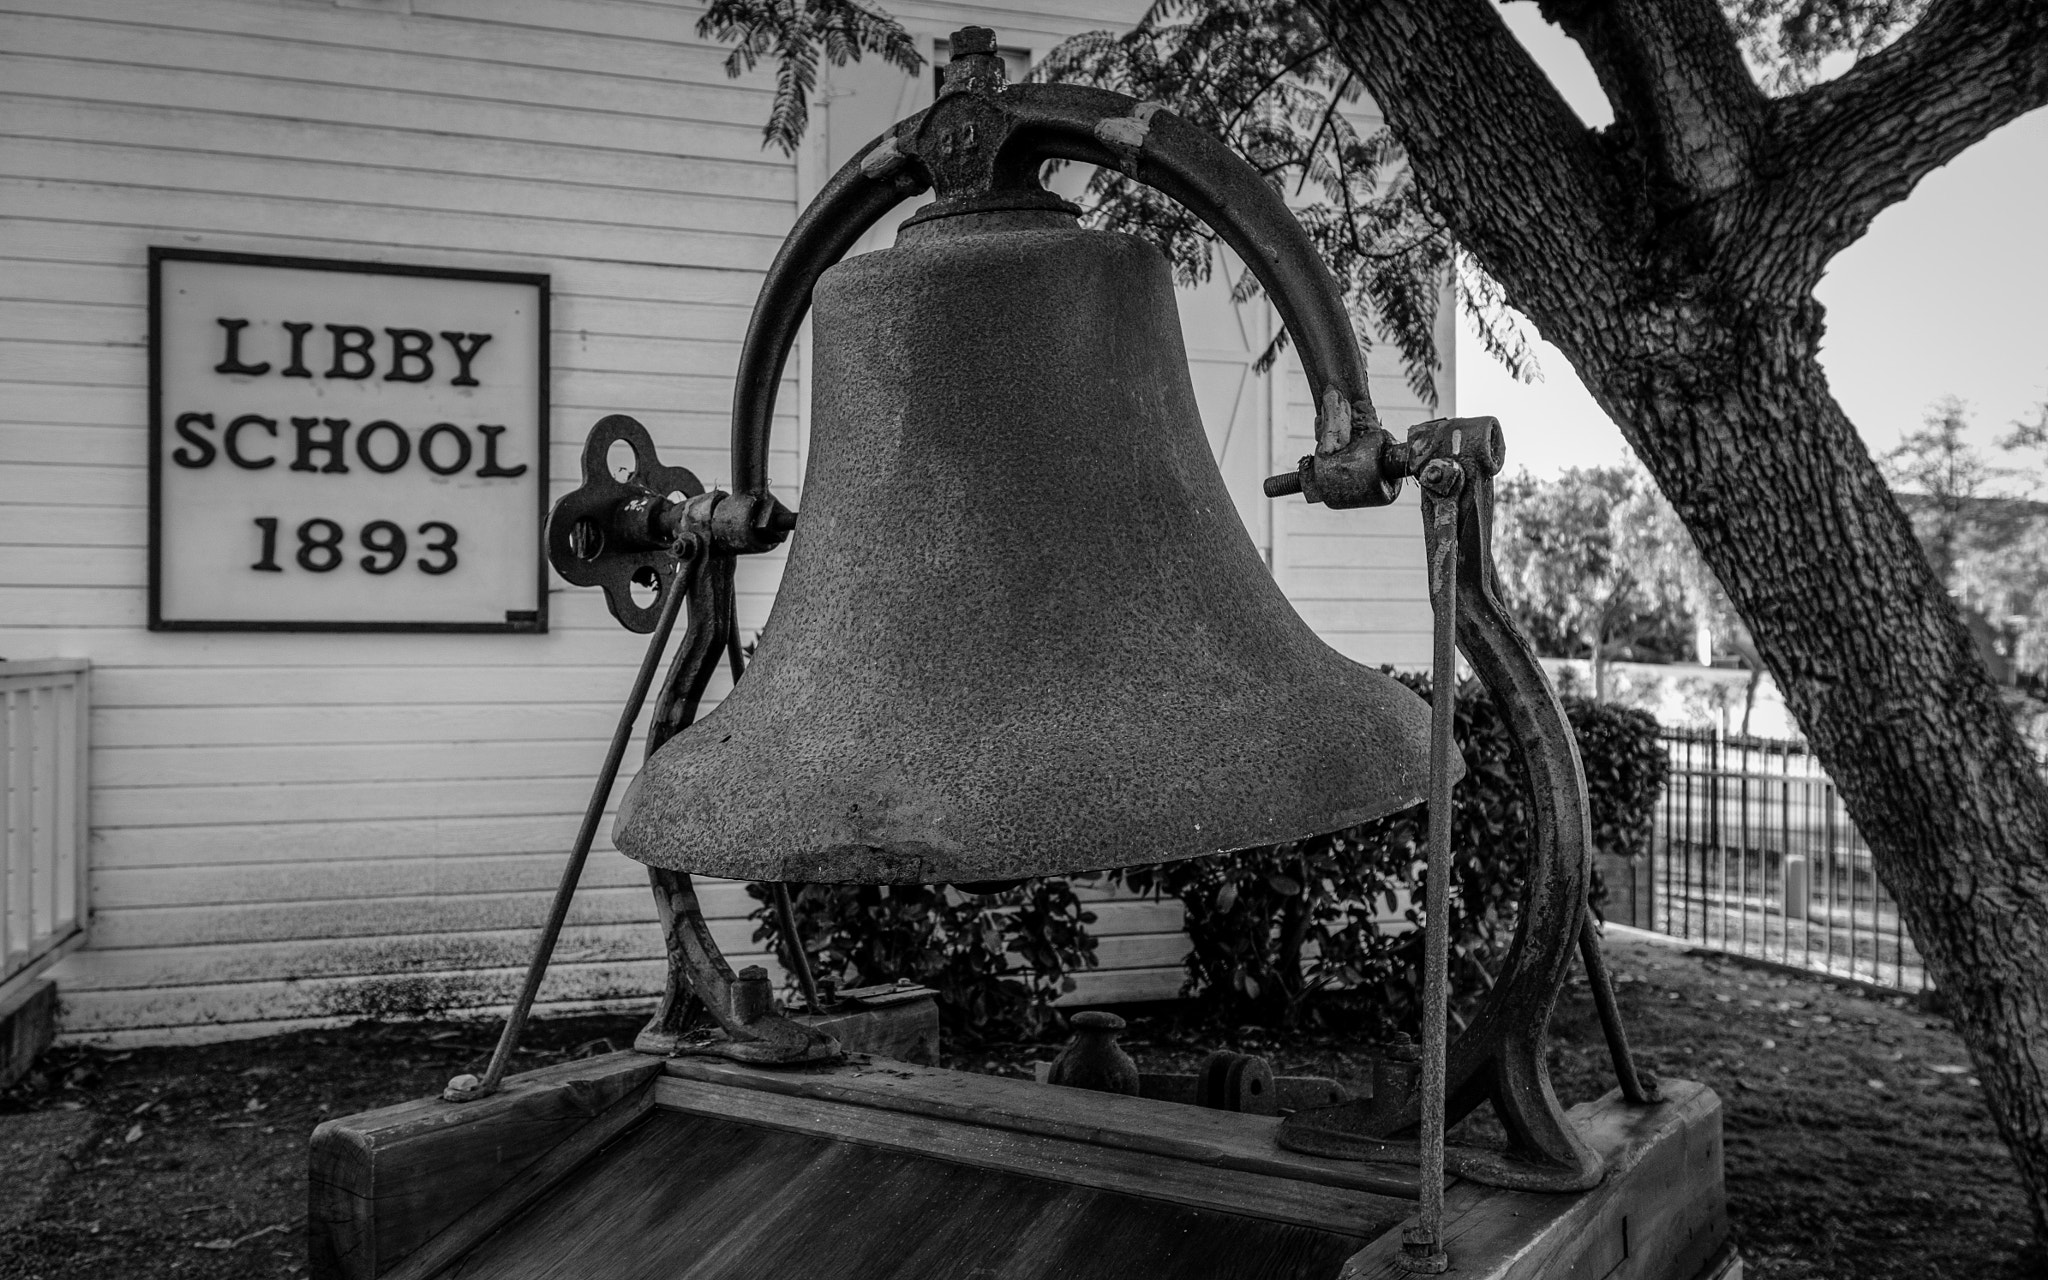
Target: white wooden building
{"x":288,"y":827}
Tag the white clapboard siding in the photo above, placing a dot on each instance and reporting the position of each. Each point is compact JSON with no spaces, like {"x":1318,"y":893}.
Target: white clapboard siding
{"x":313,"y":827}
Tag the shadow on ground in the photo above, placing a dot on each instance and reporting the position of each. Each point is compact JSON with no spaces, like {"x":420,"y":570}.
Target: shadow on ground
{"x":1858,"y":1145}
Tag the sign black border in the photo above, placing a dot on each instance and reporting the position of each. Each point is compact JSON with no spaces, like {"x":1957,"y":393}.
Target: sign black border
{"x":159,"y":254}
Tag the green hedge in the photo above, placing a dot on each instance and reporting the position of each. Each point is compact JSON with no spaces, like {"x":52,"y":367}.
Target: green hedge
{"x":1280,"y":935}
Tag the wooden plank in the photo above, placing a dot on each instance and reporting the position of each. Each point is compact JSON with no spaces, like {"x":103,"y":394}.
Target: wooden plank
{"x":734,"y":1201}
{"x":1660,"y":1214}
{"x":326,"y":899}
{"x":672,"y":50}
{"x":307,"y":175}
{"x":1115,"y":954}
{"x":489,"y":797}
{"x":1125,"y":986}
{"x":136,"y":928}
{"x":342,"y":726}
{"x":386,"y":1182}
{"x":1195,"y":1135}
{"x":487,"y":106}
{"x":55,"y":526}
{"x":618,"y":649}
{"x":1382,"y":580}
{"x":464,"y":852}
{"x":170,"y":685}
{"x":1364,"y":617}
{"x":673,"y":26}
{"x":447,"y":949}
{"x":1339,"y":551}
{"x":70,"y":320}
{"x":99,"y":485}
{"x":1408,"y":650}
{"x":114,"y":247}
{"x":584,"y":329}
{"x":538,"y":241}
{"x":75,"y":606}
{"x":67,"y":282}
{"x":366,"y":762}
{"x":644,"y":371}
{"x":694,"y":89}
{"x":457,"y":918}
{"x":91,"y":405}
{"x":521,"y":1190}
{"x":317,"y":879}
{"x":403,"y":995}
{"x":1070,"y":1159}
{"x":78,"y":444}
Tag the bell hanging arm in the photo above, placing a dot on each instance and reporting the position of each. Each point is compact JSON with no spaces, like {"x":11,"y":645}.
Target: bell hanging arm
{"x":981,"y":148}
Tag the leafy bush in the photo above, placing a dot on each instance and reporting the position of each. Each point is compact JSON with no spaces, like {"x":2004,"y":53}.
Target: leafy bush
{"x":1271,"y":929}
{"x":997,"y":961}
{"x":1626,"y":768}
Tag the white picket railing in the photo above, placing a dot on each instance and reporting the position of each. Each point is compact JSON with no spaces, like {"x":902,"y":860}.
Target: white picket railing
{"x":43,"y":815}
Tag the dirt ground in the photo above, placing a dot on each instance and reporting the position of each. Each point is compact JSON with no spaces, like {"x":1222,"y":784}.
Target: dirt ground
{"x":1858,"y":1145}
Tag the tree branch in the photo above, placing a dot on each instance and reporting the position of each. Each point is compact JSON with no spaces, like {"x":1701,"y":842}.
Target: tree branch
{"x":1495,"y":148}
{"x":1845,"y":150}
{"x":1683,"y":100}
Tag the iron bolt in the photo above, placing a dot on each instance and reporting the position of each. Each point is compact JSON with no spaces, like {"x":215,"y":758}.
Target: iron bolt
{"x":753,"y":997}
{"x":1422,"y":1252}
{"x":1441,"y":477}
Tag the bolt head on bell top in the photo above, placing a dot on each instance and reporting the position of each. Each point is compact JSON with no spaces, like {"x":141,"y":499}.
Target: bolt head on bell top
{"x":1021,"y":629}
{"x":969,"y":40}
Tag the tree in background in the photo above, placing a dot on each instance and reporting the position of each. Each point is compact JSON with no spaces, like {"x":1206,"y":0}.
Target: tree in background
{"x":1954,"y":481}
{"x":1594,"y":563}
{"x":1976,"y":519}
{"x":1672,"y":257}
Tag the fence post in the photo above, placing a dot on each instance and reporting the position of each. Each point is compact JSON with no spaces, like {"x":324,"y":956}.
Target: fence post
{"x":1798,"y":891}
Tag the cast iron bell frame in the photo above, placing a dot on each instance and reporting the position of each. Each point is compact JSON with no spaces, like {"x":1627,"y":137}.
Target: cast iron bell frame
{"x":981,"y":147}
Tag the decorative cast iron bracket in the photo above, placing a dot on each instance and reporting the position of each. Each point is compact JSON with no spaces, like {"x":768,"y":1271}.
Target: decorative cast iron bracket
{"x":616,"y":533}
{"x":981,"y":146}
{"x":1500,"y":1056}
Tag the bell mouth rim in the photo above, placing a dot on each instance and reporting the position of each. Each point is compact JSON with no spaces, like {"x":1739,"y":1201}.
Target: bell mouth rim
{"x":934,"y":862}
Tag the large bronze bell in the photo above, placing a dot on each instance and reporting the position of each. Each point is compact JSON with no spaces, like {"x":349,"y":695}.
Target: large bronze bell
{"x":1022,"y":629}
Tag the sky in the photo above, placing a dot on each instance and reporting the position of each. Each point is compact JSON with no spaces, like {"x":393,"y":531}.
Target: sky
{"x":1947,"y":294}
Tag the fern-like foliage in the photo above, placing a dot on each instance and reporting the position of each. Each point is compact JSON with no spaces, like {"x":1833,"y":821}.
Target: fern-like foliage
{"x":1261,"y":75}
{"x":796,"y":33}
{"x":1790,"y":43}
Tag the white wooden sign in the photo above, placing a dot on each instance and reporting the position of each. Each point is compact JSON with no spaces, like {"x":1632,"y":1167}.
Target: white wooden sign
{"x":346,"y":446}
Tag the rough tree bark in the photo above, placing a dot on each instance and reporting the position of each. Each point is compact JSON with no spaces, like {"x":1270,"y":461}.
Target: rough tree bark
{"x":1672,"y":257}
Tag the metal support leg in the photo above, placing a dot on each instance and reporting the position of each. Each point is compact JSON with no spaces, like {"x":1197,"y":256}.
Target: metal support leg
{"x":1638,"y":1086}
{"x":1422,"y":1248}
{"x":699,"y":1013}
{"x":785,"y":916}
{"x":465,"y":1088}
{"x":1499,"y":1057}
{"x":699,"y":979}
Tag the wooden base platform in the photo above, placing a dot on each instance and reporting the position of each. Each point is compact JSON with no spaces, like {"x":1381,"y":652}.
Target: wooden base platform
{"x":628,"y":1166}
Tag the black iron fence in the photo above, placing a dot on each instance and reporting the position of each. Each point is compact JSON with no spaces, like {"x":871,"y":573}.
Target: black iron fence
{"x":1754,"y":854}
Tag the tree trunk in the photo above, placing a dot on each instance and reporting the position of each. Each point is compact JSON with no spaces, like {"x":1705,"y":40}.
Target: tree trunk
{"x":1874,"y":663}
{"x":1672,"y":259}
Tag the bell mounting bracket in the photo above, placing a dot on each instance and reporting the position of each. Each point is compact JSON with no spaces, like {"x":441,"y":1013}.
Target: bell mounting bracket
{"x":980,"y":148}
{"x":620,"y":532}
{"x":1500,"y":1055}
